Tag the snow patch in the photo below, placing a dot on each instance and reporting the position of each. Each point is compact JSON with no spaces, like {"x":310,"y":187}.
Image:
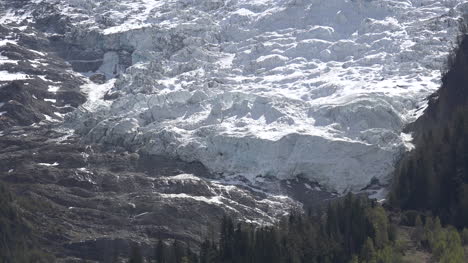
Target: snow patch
{"x":183,"y":177}
{"x":7,"y":76}
{"x":407,"y":140}
{"x":4,"y":42}
{"x":53,"y":89}
{"x":48,"y":164}
{"x":4,"y":60}
{"x":209,"y":200}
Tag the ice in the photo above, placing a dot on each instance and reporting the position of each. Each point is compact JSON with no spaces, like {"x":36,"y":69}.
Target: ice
{"x":95,"y":94}
{"x":110,"y":66}
{"x":281,"y":88}
{"x":14,"y":17}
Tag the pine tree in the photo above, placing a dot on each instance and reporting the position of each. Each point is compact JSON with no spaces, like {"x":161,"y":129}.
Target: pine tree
{"x":178,"y":251}
{"x":354,"y":259}
{"x":465,"y":236}
{"x":208,"y":252}
{"x":380,"y":225}
{"x":418,"y":233}
{"x":135,"y":255}
{"x":227,"y":239}
{"x":453,"y":252}
{"x":368,"y":251}
{"x":159,"y":253}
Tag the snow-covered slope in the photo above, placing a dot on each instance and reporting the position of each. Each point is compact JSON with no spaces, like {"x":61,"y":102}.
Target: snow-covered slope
{"x":317,"y":88}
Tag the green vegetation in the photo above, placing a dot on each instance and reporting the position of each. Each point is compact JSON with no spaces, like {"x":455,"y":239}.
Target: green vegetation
{"x":433,"y":178}
{"x":354,"y":229}
{"x":177,"y":252}
{"x":17,"y":242}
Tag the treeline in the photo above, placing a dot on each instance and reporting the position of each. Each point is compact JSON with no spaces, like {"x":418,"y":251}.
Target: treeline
{"x":17,"y":242}
{"x":354,"y":229}
{"x":176,"y":252}
{"x":433,"y":178}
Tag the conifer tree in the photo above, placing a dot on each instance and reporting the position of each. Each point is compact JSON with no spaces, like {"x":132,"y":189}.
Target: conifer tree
{"x":135,"y":255}
{"x":368,"y":251}
{"x":160,"y":252}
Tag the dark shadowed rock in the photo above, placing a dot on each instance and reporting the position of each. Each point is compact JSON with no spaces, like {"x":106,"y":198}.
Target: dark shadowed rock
{"x":98,"y":78}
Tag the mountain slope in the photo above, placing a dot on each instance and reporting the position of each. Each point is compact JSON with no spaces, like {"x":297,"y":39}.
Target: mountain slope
{"x":83,"y":199}
{"x":434,"y":177}
{"x":322,"y":89}
{"x":18,"y":241}
{"x":133,"y":121}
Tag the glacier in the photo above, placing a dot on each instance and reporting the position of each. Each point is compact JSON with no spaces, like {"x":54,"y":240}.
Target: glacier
{"x":320,"y":89}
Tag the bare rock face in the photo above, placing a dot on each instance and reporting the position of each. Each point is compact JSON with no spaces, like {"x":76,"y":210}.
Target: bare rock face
{"x":92,"y":201}
{"x":86,"y":195}
{"x":98,"y":78}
